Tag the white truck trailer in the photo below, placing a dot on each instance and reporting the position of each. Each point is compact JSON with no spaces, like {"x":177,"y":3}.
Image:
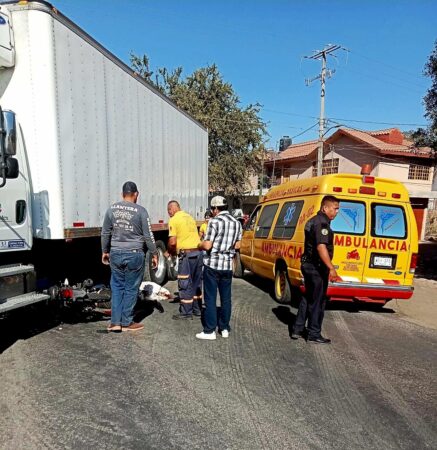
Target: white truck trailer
{"x":76,"y":124}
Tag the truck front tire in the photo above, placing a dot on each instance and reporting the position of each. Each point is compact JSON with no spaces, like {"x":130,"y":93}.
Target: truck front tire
{"x":159,"y":273}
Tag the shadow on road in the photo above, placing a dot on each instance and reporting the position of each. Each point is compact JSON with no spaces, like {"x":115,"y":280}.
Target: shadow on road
{"x":32,"y":320}
{"x":285,"y":316}
{"x":352,"y":307}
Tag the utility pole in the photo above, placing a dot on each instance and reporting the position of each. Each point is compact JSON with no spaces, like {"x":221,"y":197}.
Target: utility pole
{"x":260,"y":194}
{"x":325,"y":73}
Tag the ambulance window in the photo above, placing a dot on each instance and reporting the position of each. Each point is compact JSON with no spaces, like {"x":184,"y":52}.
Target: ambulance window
{"x":265,"y":221}
{"x":287,"y":220}
{"x":351,"y":218}
{"x":251,"y":222}
{"x":388,"y":221}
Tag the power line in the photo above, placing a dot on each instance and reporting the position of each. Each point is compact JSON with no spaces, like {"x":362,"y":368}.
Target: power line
{"x":305,"y":131}
{"x":384,"y":64}
{"x":333,"y":119}
{"x":289,"y":113}
{"x":391,"y":82}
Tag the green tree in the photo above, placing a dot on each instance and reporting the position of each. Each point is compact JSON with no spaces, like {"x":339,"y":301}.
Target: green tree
{"x":428,"y":136}
{"x":235,"y":132}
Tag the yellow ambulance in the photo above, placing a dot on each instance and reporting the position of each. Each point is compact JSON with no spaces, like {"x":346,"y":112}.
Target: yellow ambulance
{"x":375,"y":241}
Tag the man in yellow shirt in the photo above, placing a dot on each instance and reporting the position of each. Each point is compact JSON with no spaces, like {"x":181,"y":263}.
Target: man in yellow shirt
{"x":204,"y":226}
{"x":183,"y":241}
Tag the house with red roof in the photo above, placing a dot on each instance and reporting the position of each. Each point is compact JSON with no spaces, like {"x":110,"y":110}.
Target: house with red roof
{"x":389,"y":152}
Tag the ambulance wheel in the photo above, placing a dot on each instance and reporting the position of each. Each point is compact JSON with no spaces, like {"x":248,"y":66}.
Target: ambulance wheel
{"x":238,"y":266}
{"x":159,"y":273}
{"x":282,"y":286}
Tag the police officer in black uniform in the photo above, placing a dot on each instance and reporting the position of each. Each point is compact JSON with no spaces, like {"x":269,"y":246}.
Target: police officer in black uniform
{"x":317,"y":269}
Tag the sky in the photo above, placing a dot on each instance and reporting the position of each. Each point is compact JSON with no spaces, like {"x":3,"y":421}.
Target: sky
{"x":260,"y":46}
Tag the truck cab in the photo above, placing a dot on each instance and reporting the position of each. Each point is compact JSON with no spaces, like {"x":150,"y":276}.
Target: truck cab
{"x":17,"y":281}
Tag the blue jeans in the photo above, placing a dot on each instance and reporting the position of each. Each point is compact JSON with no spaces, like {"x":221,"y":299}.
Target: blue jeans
{"x":127,"y":271}
{"x":214,"y":280}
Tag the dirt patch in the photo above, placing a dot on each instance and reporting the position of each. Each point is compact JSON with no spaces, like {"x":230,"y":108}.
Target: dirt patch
{"x":422,"y":307}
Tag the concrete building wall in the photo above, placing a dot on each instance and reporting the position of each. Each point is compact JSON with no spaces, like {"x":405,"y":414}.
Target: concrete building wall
{"x":353,"y":155}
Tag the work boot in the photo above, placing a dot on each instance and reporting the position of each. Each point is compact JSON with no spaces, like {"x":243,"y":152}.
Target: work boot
{"x":182,"y":317}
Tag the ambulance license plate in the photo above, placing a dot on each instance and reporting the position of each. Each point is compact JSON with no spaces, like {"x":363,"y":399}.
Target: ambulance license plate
{"x":382,"y":261}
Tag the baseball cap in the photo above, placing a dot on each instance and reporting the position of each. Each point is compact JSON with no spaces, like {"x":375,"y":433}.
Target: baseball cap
{"x":218,"y":200}
{"x":129,"y":188}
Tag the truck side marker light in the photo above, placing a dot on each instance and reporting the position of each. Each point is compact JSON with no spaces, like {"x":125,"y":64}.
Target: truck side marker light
{"x":368,"y":180}
{"x":352,"y":191}
{"x":382,"y":194}
{"x":396,"y":195}
{"x":337,"y":189}
{"x":367,"y":190}
{"x":391,"y":282}
{"x":78,"y":224}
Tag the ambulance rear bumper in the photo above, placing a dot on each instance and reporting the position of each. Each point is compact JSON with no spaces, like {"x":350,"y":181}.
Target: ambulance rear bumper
{"x":367,"y":292}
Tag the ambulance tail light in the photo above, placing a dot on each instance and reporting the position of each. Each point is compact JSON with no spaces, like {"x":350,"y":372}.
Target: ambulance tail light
{"x":413,"y":262}
{"x":367,"y":190}
{"x":367,"y":179}
{"x":337,"y":189}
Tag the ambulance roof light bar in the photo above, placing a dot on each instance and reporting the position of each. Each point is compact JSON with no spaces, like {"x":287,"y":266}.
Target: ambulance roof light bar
{"x":366,"y":169}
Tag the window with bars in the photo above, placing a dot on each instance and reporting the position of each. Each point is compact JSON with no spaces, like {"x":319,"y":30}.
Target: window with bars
{"x":328,"y":166}
{"x":416,"y":172}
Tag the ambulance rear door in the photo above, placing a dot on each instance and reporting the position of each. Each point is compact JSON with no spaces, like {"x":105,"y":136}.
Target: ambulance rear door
{"x":351,"y":227}
{"x":388,"y":255}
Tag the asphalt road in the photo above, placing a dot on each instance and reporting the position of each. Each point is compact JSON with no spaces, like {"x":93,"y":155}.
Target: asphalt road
{"x":72,"y":385}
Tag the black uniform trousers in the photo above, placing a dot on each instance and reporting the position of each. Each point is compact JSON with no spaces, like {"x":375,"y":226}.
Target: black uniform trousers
{"x":312,"y":304}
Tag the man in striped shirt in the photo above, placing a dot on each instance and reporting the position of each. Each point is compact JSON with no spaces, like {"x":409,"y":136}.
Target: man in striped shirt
{"x":222,"y":238}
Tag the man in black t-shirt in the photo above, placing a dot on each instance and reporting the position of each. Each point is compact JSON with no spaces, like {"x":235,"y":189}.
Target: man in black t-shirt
{"x":317,"y":269}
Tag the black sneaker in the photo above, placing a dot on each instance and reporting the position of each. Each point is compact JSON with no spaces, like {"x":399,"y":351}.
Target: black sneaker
{"x":319,"y":340}
{"x":182,"y":317}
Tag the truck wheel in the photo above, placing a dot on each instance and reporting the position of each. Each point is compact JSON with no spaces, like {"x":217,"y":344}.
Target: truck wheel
{"x":282,"y":286}
{"x":238,"y":266}
{"x":172,"y":268}
{"x":159,"y":273}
